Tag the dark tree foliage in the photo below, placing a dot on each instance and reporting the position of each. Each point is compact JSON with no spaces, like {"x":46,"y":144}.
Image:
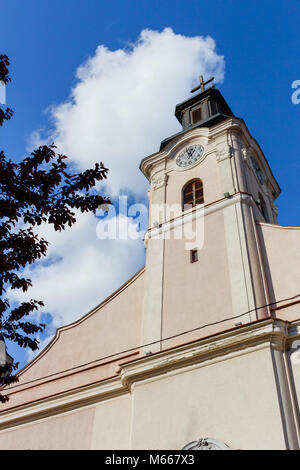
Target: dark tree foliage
{"x":39,"y":189}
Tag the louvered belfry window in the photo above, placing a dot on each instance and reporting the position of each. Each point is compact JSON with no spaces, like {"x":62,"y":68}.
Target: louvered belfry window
{"x":193,"y":194}
{"x":196,"y":115}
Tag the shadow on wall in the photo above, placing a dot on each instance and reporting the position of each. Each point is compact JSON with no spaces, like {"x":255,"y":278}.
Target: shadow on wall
{"x":266,"y":264}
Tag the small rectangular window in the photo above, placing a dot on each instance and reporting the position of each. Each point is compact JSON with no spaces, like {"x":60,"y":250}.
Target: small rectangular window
{"x":196,"y":115}
{"x":194,"y":256}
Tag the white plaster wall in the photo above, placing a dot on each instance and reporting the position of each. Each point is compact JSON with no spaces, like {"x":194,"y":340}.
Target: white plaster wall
{"x":233,"y":398}
{"x":112,"y":422}
{"x":65,"y":431}
{"x":234,"y":401}
{"x":280,"y":247}
{"x":102,"y":426}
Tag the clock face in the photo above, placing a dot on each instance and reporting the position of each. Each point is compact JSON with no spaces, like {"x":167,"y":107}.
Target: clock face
{"x":189,"y":155}
{"x":257,"y":170}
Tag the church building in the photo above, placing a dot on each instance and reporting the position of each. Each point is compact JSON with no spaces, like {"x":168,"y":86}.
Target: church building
{"x":200,"y":349}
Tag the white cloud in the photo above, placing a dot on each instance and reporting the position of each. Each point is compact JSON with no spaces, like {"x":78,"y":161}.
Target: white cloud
{"x":122,"y":105}
{"x":79,"y":271}
{"x":118,"y":112}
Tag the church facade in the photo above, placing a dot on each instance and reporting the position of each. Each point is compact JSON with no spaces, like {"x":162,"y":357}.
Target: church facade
{"x":200,"y":348}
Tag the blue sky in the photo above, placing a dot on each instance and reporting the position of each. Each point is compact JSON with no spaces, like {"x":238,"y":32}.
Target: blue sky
{"x":47,"y":42}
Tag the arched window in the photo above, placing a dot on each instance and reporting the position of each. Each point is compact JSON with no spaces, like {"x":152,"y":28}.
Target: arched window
{"x":192,"y":194}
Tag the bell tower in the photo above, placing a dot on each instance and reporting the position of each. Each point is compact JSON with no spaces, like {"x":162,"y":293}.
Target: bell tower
{"x":210,"y":181}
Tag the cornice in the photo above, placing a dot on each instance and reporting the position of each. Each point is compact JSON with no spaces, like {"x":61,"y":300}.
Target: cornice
{"x":182,"y":139}
{"x":234,"y":125}
{"x":62,"y":403}
{"x":283,"y":227}
{"x":237,"y":341}
{"x":199,"y":211}
{"x":208,"y":133}
{"x":294,"y":331}
{"x":147,"y":162}
{"x":266,"y":333}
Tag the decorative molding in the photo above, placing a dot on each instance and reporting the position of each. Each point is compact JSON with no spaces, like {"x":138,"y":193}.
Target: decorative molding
{"x":233,"y":125}
{"x":196,"y":354}
{"x":159,"y":180}
{"x":284,"y":227}
{"x":246,"y":156}
{"x":262,"y":333}
{"x":200,"y":135}
{"x":225,"y":153}
{"x":193,"y":214}
{"x":62,"y":403}
{"x":206,"y":443}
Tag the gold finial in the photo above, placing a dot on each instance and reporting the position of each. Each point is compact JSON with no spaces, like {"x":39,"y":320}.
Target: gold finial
{"x":202,"y":84}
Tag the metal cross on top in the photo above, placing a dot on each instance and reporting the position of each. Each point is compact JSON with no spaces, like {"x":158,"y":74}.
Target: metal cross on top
{"x":202,"y":84}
